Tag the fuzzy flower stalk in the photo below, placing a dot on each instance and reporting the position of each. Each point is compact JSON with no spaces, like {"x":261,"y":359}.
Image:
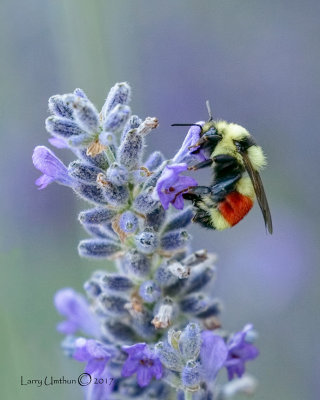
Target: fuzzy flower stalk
{"x":151,"y":329}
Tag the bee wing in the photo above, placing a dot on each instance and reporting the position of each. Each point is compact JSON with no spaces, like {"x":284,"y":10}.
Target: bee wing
{"x":259,"y":190}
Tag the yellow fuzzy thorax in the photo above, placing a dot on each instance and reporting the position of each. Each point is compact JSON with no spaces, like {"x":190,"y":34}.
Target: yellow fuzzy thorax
{"x":231,"y":132}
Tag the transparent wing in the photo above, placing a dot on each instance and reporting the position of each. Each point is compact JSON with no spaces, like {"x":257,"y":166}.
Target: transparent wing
{"x":259,"y":190}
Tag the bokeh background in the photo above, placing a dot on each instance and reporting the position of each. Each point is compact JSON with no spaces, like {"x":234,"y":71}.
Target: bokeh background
{"x":258,"y":63}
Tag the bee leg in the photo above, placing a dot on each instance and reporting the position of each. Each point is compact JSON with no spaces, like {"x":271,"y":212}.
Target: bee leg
{"x":208,"y":137}
{"x":201,"y":141}
{"x":203,"y":218}
{"x":194,"y":193}
{"x":199,"y":190}
{"x":224,"y":158}
{"x":203,"y":164}
{"x":220,"y":189}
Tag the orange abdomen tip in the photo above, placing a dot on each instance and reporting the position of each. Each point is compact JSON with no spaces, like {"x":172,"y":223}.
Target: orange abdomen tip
{"x":234,"y":207}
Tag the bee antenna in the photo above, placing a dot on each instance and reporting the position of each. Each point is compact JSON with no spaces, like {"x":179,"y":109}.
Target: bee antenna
{"x":209,"y":110}
{"x":188,"y":125}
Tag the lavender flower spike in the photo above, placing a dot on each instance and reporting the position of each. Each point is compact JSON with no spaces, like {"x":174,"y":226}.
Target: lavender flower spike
{"x":52,"y":168}
{"x":171,"y":185}
{"x":142,"y":361}
{"x":151,"y":326}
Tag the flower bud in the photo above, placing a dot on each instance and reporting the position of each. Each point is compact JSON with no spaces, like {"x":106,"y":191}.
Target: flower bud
{"x":136,"y":263}
{"x":140,"y":175}
{"x":200,"y":276}
{"x":128,"y":222}
{"x":169,"y":357}
{"x":133,"y":123}
{"x":213,"y":308}
{"x":147,"y":242}
{"x":153,"y":179}
{"x":155,"y":218}
{"x":141,"y":323}
{"x":63,"y":127}
{"x":119,"y":332}
{"x":83,"y":172}
{"x":179,"y":220}
{"x":130,"y":150}
{"x":194,"y":303}
{"x":100,"y":160}
{"x":176,"y":288}
{"x":79,"y":92}
{"x":179,"y":270}
{"x":164,"y":277}
{"x":117,"y":174}
{"x":113,"y":305}
{"x":97,"y":231}
{"x":85,"y":112}
{"x":154,"y":160}
{"x":147,"y":125}
{"x":117,"y":118}
{"x":116,"y":282}
{"x":200,"y":257}
{"x":190,"y":341}
{"x":92,"y":288}
{"x":98,"y":215}
{"x":191,"y":376}
{"x":164,"y":313}
{"x":58,"y":106}
{"x":92,"y":193}
{"x":174,"y":240}
{"x":98,"y":248}
{"x":107,"y":138}
{"x":115,"y":195}
{"x":120,"y":93}
{"x":144,"y":202}
{"x":149,"y":291}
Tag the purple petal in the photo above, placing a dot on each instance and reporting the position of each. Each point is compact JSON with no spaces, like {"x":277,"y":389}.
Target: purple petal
{"x":95,"y":365}
{"x":213,"y":353}
{"x":67,"y":327}
{"x":157,"y":369}
{"x":43,"y":181}
{"x":144,"y":376}
{"x":136,"y":349}
{"x":81,"y":352}
{"x":240,"y":351}
{"x":247,"y":352}
{"x":185,"y":154}
{"x":170,"y":184}
{"x":75,"y":308}
{"x":100,"y":391}
{"x":97,"y":349}
{"x":130,"y":367}
{"x":178,"y":203}
{"x":237,"y":369}
{"x":50,"y":165}
{"x":59,"y":143}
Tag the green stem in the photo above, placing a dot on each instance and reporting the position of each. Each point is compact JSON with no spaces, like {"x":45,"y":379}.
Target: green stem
{"x":187,"y":395}
{"x":110,"y":155}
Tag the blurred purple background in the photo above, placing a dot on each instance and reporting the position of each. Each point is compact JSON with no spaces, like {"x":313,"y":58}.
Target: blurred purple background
{"x":258,"y":63}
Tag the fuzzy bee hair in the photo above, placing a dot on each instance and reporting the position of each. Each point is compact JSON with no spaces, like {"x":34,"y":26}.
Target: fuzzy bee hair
{"x":236,"y":161}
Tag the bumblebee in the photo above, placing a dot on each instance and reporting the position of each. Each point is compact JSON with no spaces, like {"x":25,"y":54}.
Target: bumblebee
{"x":236,"y":161}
